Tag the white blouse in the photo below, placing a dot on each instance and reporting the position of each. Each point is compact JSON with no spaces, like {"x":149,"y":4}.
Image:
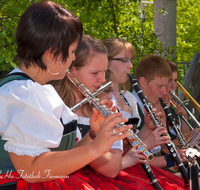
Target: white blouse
{"x":30,"y":117}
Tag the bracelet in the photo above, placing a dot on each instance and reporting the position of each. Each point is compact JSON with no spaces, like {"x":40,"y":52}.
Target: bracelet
{"x":92,"y":134}
{"x":169,"y":160}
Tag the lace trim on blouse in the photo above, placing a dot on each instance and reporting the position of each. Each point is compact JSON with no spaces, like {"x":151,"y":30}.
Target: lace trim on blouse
{"x":22,"y":149}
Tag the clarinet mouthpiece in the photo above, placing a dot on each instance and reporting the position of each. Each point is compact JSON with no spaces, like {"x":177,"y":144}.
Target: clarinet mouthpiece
{"x":131,"y":78}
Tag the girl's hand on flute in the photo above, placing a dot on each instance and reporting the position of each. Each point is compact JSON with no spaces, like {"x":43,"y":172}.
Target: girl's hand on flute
{"x":132,"y":157}
{"x":97,"y":119}
{"x":108,"y":134}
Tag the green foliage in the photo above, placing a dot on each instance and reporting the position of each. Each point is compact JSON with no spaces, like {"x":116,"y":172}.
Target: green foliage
{"x":119,"y":18}
{"x":10,"y":12}
{"x":111,"y":18}
{"x":188,"y":29}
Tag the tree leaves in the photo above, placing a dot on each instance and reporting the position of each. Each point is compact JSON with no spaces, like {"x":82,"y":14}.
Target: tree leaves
{"x":126,"y":19}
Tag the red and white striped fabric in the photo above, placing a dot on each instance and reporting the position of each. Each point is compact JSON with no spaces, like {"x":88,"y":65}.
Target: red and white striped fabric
{"x":87,"y":179}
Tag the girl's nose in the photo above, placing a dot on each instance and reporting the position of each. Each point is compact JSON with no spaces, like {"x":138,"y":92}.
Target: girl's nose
{"x":130,"y":65}
{"x":102,"y":77}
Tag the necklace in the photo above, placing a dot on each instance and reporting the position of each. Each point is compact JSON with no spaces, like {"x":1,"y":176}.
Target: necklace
{"x":126,"y":102}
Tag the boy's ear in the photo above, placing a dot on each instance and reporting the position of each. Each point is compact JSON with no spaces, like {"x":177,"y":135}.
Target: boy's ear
{"x":142,"y":82}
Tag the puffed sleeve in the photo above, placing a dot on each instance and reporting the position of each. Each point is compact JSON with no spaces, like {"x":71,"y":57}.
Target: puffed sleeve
{"x":30,"y":117}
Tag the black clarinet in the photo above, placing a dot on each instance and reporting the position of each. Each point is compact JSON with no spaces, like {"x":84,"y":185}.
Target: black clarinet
{"x":193,"y":177}
{"x":151,"y":176}
{"x":148,"y":170}
{"x":133,"y":139}
{"x":193,"y":168}
{"x":157,"y":123}
{"x":172,"y":123}
{"x":149,"y":173}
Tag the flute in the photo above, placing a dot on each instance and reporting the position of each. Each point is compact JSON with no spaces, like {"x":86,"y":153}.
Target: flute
{"x":84,"y":101}
{"x":157,"y":123}
{"x":133,"y":138}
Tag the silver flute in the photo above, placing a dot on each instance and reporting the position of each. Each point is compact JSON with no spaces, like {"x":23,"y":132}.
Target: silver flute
{"x":133,"y":139}
{"x":85,"y":100}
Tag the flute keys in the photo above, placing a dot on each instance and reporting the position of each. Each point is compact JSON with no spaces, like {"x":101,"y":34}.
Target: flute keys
{"x":140,"y":148}
{"x":135,"y":143}
{"x":148,"y":155}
